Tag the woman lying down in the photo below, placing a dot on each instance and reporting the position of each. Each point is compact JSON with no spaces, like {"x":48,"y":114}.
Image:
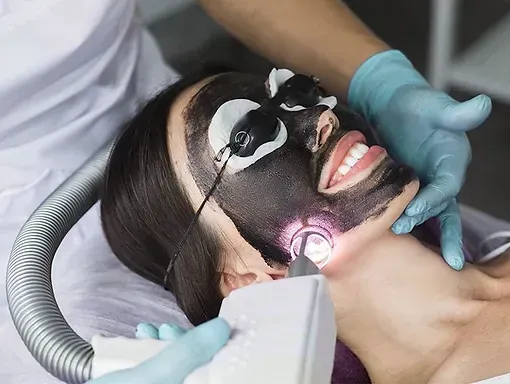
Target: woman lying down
{"x":404,"y":313}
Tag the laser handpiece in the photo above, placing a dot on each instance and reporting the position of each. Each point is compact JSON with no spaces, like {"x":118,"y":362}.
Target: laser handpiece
{"x":311,"y":250}
{"x":302,"y":266}
{"x":284,"y":331}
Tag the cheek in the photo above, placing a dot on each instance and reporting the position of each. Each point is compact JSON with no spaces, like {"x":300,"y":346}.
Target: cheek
{"x":351,"y":121}
{"x":399,"y":204}
{"x":279,"y":180}
{"x":201,"y":162}
{"x":265,"y":199}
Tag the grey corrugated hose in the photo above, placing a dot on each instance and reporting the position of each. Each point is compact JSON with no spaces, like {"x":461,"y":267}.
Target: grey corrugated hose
{"x":32,"y":304}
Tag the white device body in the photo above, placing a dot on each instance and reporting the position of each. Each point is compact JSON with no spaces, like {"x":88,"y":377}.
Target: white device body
{"x":284,"y":332}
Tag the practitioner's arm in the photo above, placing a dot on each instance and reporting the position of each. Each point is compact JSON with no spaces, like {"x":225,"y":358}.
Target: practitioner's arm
{"x":319,"y":37}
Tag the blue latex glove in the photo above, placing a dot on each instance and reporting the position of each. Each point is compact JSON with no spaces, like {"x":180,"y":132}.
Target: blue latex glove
{"x":188,"y":351}
{"x":167,"y":332}
{"x":424,"y":128}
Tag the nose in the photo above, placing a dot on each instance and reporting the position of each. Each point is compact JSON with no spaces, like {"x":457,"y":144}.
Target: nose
{"x":328,"y":121}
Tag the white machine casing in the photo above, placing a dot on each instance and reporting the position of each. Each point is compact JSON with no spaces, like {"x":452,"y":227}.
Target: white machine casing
{"x":283,"y":332}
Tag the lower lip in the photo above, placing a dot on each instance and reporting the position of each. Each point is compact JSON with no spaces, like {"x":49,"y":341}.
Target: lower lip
{"x":374,"y":153}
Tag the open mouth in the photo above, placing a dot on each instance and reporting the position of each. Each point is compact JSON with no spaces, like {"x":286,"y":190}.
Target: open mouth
{"x":350,"y":161}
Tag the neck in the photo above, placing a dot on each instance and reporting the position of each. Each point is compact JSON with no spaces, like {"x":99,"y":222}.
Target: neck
{"x":401,"y":309}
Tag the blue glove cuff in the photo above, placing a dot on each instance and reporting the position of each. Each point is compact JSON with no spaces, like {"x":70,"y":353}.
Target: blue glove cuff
{"x":377,"y":79}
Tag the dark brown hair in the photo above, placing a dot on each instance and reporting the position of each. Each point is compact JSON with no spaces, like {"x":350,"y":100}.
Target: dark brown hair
{"x":145,"y":210}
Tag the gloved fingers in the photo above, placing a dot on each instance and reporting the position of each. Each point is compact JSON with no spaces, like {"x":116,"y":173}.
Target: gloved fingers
{"x":146,"y":331}
{"x":405,"y":223}
{"x":190,"y":351}
{"x":433,"y":195}
{"x":455,"y":116}
{"x":170,"y":332}
{"x":445,"y":185}
{"x":451,"y":236}
{"x":167,"y":332}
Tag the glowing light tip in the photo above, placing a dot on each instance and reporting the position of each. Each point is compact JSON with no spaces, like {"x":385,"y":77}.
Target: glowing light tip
{"x":318,"y":245}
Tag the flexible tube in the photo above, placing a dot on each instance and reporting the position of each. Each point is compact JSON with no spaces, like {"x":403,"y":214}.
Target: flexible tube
{"x":498,"y":251}
{"x":32,"y":305}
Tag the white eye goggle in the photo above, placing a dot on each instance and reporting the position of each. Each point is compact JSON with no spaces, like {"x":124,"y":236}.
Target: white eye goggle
{"x":232,"y":120}
{"x":278,"y":77}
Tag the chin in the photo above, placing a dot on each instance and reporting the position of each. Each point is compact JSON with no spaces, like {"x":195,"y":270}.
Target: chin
{"x":398,"y":205}
{"x":354,"y":242}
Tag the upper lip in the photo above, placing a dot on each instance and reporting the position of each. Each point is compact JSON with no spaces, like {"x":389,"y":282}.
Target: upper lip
{"x":336,"y":155}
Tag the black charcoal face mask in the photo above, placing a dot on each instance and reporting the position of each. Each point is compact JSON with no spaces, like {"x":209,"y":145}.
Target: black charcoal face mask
{"x":275,"y":192}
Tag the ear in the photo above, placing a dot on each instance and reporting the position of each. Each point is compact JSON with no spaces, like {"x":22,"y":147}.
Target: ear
{"x":243,"y":266}
{"x":234,"y":280}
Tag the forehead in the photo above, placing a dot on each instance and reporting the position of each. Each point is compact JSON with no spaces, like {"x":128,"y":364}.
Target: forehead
{"x":205,"y":102}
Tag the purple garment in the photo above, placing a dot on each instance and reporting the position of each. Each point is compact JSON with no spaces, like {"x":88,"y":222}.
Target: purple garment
{"x":347,"y":368}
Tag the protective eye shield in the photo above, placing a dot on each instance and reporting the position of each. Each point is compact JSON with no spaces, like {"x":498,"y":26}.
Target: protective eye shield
{"x":260,"y":125}
{"x":254,"y":128}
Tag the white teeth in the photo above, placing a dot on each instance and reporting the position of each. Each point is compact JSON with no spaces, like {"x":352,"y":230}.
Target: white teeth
{"x":356,"y":153}
{"x":361,"y":147}
{"x":351,"y":161}
{"x":343,"y":169}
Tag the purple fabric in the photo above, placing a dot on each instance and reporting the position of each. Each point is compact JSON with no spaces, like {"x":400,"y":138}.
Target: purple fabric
{"x":347,"y":368}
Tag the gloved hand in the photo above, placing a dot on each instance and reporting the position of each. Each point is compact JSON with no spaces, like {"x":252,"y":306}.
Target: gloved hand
{"x":167,"y":332}
{"x":424,"y":128}
{"x":188,"y":351}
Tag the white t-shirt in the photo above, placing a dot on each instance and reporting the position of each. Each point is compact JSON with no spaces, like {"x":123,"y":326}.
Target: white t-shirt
{"x":71,"y":72}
